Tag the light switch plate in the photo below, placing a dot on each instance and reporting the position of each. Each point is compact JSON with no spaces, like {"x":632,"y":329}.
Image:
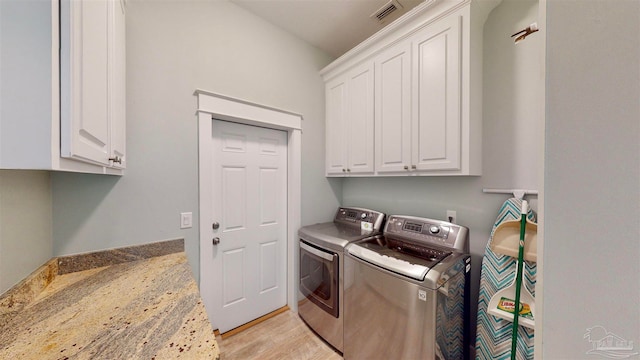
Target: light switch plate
{"x":186,"y":220}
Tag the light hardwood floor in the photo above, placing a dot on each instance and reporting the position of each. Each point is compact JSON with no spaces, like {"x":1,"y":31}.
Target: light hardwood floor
{"x":284,"y":336}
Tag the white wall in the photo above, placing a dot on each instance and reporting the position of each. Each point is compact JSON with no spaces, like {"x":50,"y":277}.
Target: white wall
{"x":592,"y":175}
{"x":174,"y":48}
{"x":25,"y":224}
{"x":512,"y":80}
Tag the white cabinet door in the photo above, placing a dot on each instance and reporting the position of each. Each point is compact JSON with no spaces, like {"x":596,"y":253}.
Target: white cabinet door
{"x":393,"y":109}
{"x":359,"y":124}
{"x":117,"y":91}
{"x":92,"y":78}
{"x":436,"y":140}
{"x":84,"y":78}
{"x":349,"y":123}
{"x":336,"y":93}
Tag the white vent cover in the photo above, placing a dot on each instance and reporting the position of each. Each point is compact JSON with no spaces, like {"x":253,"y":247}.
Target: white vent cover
{"x":386,"y":10}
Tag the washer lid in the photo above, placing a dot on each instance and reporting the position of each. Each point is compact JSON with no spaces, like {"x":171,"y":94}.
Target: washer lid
{"x":334,"y":236}
{"x":402,"y":257}
{"x":402,"y":267}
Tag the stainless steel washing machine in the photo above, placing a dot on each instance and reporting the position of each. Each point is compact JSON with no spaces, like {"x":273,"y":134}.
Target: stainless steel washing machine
{"x":407,"y":292}
{"x":321,"y":303}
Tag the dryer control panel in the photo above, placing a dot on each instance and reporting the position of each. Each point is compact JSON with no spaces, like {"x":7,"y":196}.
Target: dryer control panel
{"x":357,"y":216}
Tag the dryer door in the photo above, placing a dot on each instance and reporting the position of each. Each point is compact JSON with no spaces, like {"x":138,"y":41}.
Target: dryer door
{"x":319,"y":277}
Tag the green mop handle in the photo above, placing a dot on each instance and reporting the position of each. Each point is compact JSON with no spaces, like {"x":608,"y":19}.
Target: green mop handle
{"x":516,"y":310}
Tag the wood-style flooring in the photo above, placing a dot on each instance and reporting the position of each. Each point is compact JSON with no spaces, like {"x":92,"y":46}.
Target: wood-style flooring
{"x":284,"y":336}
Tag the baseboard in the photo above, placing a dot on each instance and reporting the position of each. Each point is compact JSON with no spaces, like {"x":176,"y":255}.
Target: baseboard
{"x":246,"y":326}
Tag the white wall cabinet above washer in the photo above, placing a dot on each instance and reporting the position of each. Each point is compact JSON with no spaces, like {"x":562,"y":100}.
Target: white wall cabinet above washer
{"x":428,"y":90}
{"x":67,"y":109}
{"x":349,"y":123}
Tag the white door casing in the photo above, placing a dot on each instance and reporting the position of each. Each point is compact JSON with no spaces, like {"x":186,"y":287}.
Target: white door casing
{"x":222,"y":107}
{"x":249,"y":203}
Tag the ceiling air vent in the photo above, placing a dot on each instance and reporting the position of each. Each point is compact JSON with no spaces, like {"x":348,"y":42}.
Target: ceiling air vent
{"x":386,"y":10}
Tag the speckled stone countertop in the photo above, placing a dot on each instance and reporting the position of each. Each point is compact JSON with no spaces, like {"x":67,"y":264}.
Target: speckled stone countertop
{"x":142,"y":307}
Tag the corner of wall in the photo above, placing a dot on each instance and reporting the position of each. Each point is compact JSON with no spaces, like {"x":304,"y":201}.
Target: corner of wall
{"x":25,"y":224}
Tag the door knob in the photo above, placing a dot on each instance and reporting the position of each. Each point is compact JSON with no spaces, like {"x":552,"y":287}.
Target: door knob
{"x":216,"y":241}
{"x":215,"y":225}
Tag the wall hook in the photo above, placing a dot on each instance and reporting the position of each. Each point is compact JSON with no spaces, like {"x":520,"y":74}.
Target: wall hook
{"x":522,"y":34}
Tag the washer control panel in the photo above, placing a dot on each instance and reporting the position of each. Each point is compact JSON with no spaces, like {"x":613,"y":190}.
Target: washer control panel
{"x":428,"y":231}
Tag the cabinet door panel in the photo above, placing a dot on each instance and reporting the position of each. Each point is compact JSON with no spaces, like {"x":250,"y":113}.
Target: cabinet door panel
{"x":85,"y":128}
{"x":336,"y":152}
{"x":360,"y":121}
{"x":437,"y":116}
{"x":117,"y":93}
{"x":393,"y":109}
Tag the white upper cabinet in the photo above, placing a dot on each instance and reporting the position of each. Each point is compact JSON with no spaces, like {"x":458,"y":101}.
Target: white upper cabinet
{"x":76,"y":87}
{"x":427,"y":96}
{"x":349,"y":123}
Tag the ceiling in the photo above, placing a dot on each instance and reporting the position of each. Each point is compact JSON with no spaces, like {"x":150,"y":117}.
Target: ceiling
{"x":334,"y":26}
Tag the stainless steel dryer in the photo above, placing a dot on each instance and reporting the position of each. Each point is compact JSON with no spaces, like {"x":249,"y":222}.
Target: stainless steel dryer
{"x":322,"y":267}
{"x":407,"y":292}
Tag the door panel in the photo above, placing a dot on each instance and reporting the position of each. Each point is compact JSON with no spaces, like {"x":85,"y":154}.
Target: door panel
{"x":393,"y":109}
{"x":117,"y":75}
{"x":336,"y":152}
{"x":234,"y":190}
{"x":249,"y":200}
{"x":268,"y":266}
{"x":360,"y":120}
{"x":436,"y":142}
{"x":85,"y":108}
{"x":268,"y":196}
{"x":233,"y":265}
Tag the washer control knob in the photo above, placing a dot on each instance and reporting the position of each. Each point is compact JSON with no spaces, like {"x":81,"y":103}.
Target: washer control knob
{"x":434,"y":229}
{"x":363,"y":216}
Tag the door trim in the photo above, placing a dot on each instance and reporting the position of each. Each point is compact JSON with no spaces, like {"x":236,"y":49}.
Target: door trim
{"x":211,"y":105}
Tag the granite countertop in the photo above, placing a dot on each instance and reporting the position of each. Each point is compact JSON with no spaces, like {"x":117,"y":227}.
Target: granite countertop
{"x":137,"y":308}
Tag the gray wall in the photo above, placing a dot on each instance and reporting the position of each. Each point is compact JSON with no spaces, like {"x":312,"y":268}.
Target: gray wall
{"x":592,"y":175}
{"x":25,"y":196}
{"x":174,"y":48}
{"x":511,"y":83}
{"x":25,"y":83}
{"x":25,"y":224}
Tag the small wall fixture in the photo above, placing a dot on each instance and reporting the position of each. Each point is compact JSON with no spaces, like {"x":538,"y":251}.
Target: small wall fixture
{"x":522,"y":34}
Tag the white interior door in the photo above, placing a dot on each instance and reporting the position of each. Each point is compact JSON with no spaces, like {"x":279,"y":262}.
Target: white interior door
{"x":249,"y":201}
